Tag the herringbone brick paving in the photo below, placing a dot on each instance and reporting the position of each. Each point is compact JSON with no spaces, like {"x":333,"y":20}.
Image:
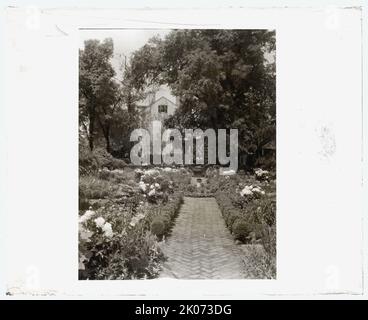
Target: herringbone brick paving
{"x":200,"y":246}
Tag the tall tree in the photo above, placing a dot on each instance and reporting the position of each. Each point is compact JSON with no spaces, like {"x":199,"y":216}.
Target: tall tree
{"x":224,"y":79}
{"x":99,"y":93}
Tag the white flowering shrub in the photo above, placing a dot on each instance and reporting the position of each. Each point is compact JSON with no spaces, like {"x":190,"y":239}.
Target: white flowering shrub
{"x":86,"y":216}
{"x":248,"y":205}
{"x":157,"y":183}
{"x":117,"y":234}
{"x":115,"y":243}
{"x":251,"y":191}
{"x":261,"y":174}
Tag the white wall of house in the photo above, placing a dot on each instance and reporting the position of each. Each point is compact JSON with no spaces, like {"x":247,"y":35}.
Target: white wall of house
{"x":155,"y":112}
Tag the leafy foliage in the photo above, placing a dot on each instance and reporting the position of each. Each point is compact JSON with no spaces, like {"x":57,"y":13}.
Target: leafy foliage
{"x":251,"y":218}
{"x":224,"y":78}
{"x":119,"y":233}
{"x":92,"y":161}
{"x":98,"y":96}
{"x":106,"y":104}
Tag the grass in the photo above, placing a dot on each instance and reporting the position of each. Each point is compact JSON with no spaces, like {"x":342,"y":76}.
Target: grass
{"x":92,"y":187}
{"x":258,"y":263}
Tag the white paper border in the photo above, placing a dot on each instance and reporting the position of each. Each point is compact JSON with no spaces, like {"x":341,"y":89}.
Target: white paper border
{"x":63,"y":23}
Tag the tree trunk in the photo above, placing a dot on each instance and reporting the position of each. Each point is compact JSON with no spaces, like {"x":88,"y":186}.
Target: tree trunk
{"x":107,"y":138}
{"x":91,"y":128}
{"x":105,"y":127}
{"x":130,"y":105}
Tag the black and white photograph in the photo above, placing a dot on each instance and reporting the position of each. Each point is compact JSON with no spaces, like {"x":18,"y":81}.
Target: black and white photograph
{"x":177,"y":154}
{"x":206,"y":152}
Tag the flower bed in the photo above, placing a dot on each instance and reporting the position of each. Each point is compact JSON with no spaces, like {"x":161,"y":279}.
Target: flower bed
{"x":248,"y":206}
{"x":162,"y":217}
{"x":118,"y":238}
{"x":113,"y":250}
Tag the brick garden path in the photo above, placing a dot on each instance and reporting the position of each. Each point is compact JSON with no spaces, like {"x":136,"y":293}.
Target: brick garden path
{"x":200,"y":246}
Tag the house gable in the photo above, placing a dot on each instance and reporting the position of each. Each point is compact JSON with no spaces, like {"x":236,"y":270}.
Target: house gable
{"x":163,"y":100}
{"x":162,"y":107}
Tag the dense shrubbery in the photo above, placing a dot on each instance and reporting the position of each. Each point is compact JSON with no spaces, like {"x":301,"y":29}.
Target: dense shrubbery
{"x":127,"y":247}
{"x":162,"y":217}
{"x":91,"y":161}
{"x":258,"y":214}
{"x":114,"y":248}
{"x":125,"y":212}
{"x":248,"y":206}
{"x":260,"y":264}
{"x":158,"y":226}
{"x":119,"y":233}
{"x":201,"y":190}
{"x":92,"y":187}
{"x":241,"y":229}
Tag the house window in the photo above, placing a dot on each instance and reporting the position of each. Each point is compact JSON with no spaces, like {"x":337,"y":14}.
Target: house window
{"x":162,"y":108}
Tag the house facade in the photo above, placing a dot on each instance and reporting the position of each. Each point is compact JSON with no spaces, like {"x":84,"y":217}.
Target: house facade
{"x":162,"y":108}
{"x":158,"y":105}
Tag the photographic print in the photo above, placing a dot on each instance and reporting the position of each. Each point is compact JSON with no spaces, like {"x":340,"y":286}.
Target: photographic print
{"x":177,"y":154}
